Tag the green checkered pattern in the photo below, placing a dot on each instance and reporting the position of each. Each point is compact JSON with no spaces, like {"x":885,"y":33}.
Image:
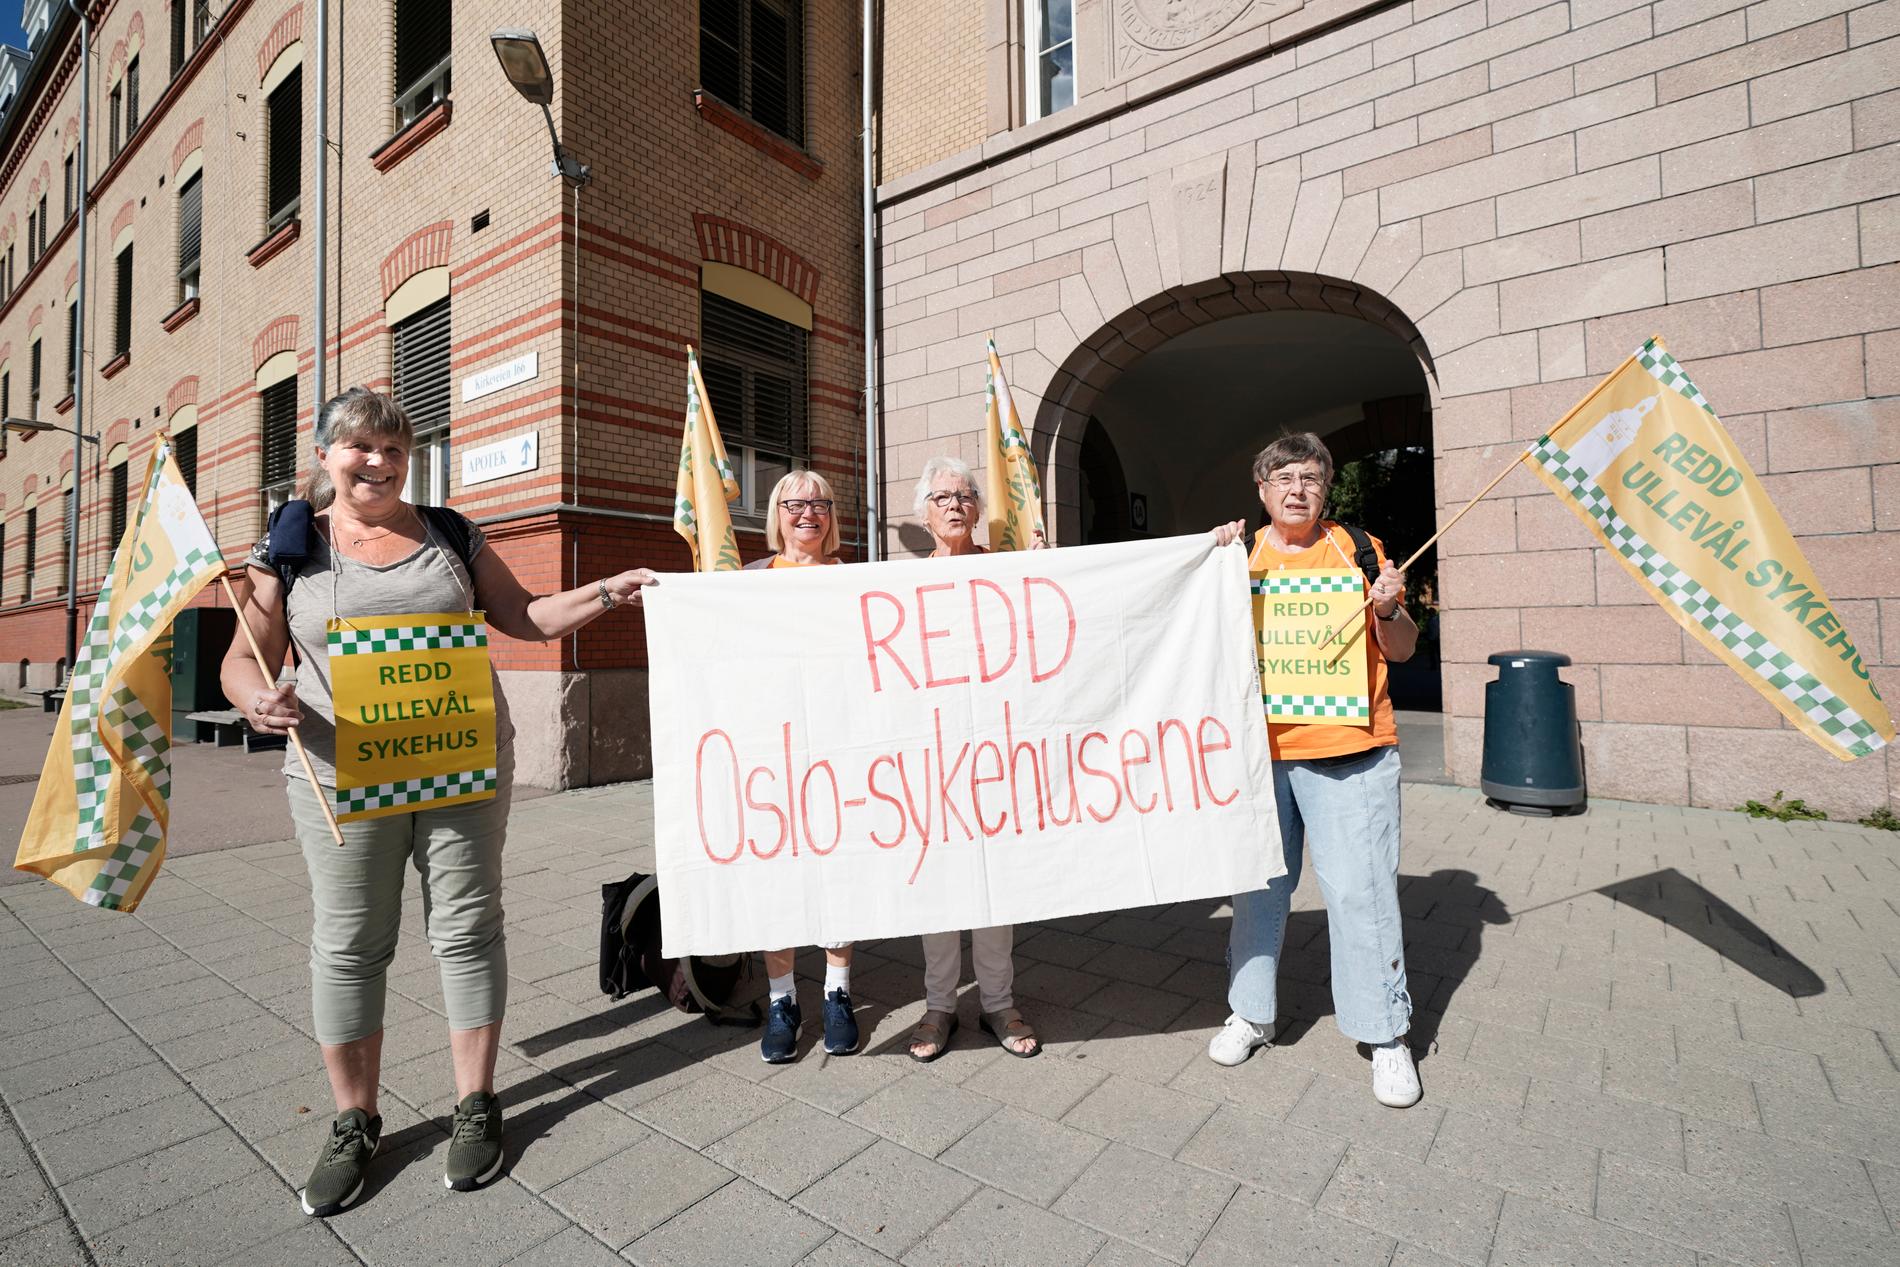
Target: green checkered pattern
{"x":1663,"y":368}
{"x":1013,"y":437}
{"x":138,"y":733}
{"x":1351,"y":707}
{"x":409,"y":638}
{"x":413,"y":793}
{"x":1295,"y":583}
{"x":1772,"y":668}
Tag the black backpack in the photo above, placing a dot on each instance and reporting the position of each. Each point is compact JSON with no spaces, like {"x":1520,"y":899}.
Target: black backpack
{"x":292,"y":529}
{"x":630,"y":958}
{"x":1364,"y":553}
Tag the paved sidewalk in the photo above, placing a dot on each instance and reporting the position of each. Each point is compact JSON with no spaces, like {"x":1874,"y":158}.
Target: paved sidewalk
{"x":1655,"y":1036}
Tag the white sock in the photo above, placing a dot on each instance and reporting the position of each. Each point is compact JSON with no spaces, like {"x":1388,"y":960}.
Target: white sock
{"x":837,"y":977}
{"x":781,"y":987}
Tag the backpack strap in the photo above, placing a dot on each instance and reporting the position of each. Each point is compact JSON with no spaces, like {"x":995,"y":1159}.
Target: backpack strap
{"x":1364,"y":553}
{"x":287,"y":541}
{"x":452,"y":526}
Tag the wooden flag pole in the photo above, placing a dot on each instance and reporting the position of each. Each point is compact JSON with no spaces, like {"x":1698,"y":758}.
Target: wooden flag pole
{"x":1428,"y":545}
{"x":296,"y":740}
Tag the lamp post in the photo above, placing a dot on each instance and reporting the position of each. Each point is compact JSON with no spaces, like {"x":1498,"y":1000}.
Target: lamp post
{"x":24,"y":426}
{"x":526,"y":66}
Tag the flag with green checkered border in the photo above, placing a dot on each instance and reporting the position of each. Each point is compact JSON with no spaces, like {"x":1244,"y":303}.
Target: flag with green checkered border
{"x":1731,"y":623}
{"x":98,"y":827}
{"x":1307,"y":583}
{"x":706,"y":482}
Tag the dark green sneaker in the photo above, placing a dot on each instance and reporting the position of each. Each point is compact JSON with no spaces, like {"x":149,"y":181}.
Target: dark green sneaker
{"x":475,"y":1142}
{"x":338,"y":1178}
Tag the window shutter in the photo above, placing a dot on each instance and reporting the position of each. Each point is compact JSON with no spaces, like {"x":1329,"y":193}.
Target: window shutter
{"x":190,"y":230}
{"x":178,"y":36}
{"x":122,"y":318}
{"x":286,"y":145}
{"x":423,"y":40}
{"x":72,"y":345}
{"x":755,"y":371}
{"x":117,"y":98}
{"x":422,"y":367}
{"x":776,"y":62}
{"x":280,"y":432}
{"x":42,"y":224}
{"x":131,"y":97}
{"x":185,"y":453}
{"x":32,"y":549}
{"x":118,"y":506}
{"x":33,"y":377}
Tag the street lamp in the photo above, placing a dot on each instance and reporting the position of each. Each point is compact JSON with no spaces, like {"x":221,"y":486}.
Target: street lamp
{"x":28,"y":425}
{"x":526,"y":66}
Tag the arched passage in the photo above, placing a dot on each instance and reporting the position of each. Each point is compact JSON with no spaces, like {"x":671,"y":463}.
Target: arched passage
{"x":1150,"y":425}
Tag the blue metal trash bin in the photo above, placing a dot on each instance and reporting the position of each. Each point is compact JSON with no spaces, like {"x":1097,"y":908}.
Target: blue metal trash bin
{"x":1533,"y":750}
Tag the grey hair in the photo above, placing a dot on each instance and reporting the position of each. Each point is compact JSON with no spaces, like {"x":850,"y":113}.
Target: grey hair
{"x":1299,"y":446}
{"x":945,"y":466}
{"x":352,"y":415}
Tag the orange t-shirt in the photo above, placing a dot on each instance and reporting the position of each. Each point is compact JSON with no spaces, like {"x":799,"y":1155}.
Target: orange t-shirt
{"x":1303,"y":743}
{"x":780,"y":561}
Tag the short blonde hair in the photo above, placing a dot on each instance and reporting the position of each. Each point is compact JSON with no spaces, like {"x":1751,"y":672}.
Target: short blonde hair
{"x":819,"y":486}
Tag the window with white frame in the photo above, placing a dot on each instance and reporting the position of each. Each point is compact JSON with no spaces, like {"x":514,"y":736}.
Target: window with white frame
{"x":755,"y":367}
{"x":190,"y":234}
{"x":420,"y":383}
{"x":752,"y":57}
{"x":423,"y":43}
{"x":1050,"y":43}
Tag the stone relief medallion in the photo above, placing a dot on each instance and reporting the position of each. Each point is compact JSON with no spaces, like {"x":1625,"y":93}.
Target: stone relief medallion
{"x":1146,"y":33}
{"x":1166,"y":25}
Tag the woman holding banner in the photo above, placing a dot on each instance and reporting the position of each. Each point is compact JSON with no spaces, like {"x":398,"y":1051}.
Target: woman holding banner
{"x":950,"y":506}
{"x":356,"y":579}
{"x":801,"y":527}
{"x":1337,"y":789}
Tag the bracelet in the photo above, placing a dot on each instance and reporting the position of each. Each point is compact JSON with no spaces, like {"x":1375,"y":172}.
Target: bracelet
{"x":1393,"y":616}
{"x":607,"y":600}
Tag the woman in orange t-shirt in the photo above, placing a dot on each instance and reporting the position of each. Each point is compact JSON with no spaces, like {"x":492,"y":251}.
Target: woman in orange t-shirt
{"x":801,"y":527}
{"x":1337,"y":789}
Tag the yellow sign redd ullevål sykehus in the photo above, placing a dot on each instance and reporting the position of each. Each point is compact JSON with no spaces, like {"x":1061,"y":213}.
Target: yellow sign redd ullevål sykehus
{"x":1304,"y":679}
{"x":415,"y":713}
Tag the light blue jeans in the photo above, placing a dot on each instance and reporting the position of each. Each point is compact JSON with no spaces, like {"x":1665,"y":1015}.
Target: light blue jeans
{"x":1347,"y":811}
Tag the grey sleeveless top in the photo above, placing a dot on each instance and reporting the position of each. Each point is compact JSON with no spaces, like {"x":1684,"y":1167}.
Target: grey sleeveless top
{"x":432,"y":579}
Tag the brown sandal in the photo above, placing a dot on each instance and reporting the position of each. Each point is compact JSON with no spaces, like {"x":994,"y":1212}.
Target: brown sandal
{"x":1008,"y":1024}
{"x":929,"y":1030}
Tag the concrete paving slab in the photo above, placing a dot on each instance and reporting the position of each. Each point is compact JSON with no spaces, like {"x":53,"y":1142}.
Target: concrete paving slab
{"x":1254,"y":1221}
{"x":637,"y":1189}
{"x":994,"y":1227}
{"x":887,"y":1197}
{"x":1265,"y":1154}
{"x":1160,"y":1205}
{"x":740,"y":1225}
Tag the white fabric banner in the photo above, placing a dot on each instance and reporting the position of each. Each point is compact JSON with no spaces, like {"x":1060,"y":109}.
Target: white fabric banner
{"x":876,"y":750}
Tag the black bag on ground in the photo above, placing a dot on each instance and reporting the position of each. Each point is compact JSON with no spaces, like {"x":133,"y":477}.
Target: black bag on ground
{"x":630,"y":958}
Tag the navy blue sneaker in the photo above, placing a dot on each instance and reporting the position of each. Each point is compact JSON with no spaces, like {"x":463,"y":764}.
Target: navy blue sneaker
{"x":841,"y":1027}
{"x":782,"y":1020}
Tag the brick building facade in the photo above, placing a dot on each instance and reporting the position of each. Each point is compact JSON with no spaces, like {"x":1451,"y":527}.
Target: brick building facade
{"x":492,"y":297}
{"x":1509,"y":195}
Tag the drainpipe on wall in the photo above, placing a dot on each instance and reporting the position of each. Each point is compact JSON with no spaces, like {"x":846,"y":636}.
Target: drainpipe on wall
{"x":873,"y":451}
{"x":79,"y":340}
{"x":320,"y":222}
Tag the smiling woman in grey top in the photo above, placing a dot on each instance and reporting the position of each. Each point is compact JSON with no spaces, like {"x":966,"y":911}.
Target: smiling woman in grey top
{"x":372,"y":554}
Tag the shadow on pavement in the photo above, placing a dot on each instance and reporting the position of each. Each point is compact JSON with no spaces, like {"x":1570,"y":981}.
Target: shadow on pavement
{"x":1676,"y":900}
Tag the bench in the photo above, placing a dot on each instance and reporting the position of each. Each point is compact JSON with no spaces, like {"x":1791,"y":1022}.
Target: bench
{"x":50,"y":698}
{"x":229,"y":727}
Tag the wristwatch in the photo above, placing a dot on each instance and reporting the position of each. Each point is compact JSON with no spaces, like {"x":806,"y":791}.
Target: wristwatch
{"x":1393,"y":616}
{"x":607,"y":597}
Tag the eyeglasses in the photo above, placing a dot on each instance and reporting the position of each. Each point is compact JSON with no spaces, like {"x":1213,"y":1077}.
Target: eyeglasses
{"x":944,"y":501}
{"x":799,"y":505}
{"x":1285,"y":480}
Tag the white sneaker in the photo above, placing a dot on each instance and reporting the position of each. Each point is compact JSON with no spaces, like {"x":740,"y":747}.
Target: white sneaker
{"x":1237,"y":1041}
{"x":1394,"y":1076}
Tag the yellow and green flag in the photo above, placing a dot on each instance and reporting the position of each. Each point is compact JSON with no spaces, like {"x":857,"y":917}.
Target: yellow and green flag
{"x":100,"y":815}
{"x":1013,"y":491}
{"x":1645,"y":462}
{"x":706,"y":482}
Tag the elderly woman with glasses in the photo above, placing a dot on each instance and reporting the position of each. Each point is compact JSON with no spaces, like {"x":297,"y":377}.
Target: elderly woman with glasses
{"x":801,"y":527}
{"x":949,"y":505}
{"x":1337,"y":789}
